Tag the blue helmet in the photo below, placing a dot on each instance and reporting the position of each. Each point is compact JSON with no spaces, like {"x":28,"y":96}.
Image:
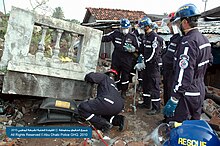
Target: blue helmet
{"x":154,"y":25}
{"x":193,"y":132}
{"x":125,"y":23}
{"x":145,"y":21}
{"x":186,"y":11}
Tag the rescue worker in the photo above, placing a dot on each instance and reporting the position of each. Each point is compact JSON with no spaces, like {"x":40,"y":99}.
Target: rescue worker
{"x":103,"y":111}
{"x":193,"y":56}
{"x":168,"y":58}
{"x":151,"y":50}
{"x":125,"y":44}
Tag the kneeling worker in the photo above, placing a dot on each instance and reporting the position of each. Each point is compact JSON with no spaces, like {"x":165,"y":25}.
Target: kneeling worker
{"x":103,"y":111}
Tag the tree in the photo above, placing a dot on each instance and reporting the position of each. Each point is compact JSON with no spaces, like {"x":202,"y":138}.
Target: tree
{"x":165,"y":14}
{"x":39,"y":4}
{"x":58,"y":13}
{"x":73,"y":21}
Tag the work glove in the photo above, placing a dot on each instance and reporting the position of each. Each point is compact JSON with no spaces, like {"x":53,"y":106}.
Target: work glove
{"x":170,"y":107}
{"x":129,"y":47}
{"x":140,"y":65}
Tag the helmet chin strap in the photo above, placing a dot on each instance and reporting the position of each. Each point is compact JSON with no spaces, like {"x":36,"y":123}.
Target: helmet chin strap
{"x":175,"y":29}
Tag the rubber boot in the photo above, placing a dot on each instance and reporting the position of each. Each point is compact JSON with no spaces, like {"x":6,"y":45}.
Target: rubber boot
{"x":103,"y":125}
{"x":123,"y":94}
{"x":155,"y":108}
{"x":121,"y":121}
{"x":146,"y":104}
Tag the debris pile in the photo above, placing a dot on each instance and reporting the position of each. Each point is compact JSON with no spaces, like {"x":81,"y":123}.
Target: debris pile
{"x":12,"y":114}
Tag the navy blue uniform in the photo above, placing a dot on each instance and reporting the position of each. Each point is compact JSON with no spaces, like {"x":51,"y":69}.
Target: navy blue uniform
{"x":107,"y":103}
{"x":168,"y":69}
{"x":193,"y":56}
{"x":121,"y":59}
{"x":151,"y":48}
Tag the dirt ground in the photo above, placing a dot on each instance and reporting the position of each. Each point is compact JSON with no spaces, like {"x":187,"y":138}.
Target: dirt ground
{"x":139,"y":125}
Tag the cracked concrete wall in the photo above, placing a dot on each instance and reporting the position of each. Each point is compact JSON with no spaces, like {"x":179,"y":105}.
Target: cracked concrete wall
{"x":18,"y":62}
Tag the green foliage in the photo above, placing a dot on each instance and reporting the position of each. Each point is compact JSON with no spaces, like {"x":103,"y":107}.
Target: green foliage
{"x":58,"y":13}
{"x":73,"y":21}
{"x":3,"y":25}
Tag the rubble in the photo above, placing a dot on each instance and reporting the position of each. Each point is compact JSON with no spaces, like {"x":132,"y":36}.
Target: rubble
{"x":23,"y":112}
{"x":213,"y":111}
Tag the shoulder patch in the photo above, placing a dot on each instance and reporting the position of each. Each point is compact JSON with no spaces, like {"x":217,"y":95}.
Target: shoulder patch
{"x":183,"y":63}
{"x":154,"y":44}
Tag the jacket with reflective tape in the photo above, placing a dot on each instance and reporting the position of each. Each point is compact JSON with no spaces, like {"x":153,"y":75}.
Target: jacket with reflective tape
{"x":151,"y":47}
{"x":119,"y":39}
{"x":193,"y":56}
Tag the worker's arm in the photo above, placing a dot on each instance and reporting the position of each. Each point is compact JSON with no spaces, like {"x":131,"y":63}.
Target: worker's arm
{"x":94,"y":77}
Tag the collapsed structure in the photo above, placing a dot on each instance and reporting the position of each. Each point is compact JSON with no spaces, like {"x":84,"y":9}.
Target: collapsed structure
{"x":28,"y":70}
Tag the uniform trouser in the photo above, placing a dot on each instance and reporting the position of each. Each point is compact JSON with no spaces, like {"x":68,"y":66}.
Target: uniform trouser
{"x":122,"y":80}
{"x":96,"y":111}
{"x":167,"y":84}
{"x":190,"y":107}
{"x":151,"y":85}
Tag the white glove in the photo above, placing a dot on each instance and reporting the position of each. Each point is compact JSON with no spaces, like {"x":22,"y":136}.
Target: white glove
{"x":139,"y":66}
{"x":129,"y":47}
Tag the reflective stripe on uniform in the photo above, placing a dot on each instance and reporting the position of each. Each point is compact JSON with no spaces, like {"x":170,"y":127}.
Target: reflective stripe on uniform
{"x":125,"y":82}
{"x":90,"y":117}
{"x":118,"y":39}
{"x":180,"y":77}
{"x":117,"y":42}
{"x":147,"y":46}
{"x":192,"y":93}
{"x":111,"y":119}
{"x":108,"y":100}
{"x":154,"y":48}
{"x":171,"y":50}
{"x":117,"y":81}
{"x":203,"y":63}
{"x":155,"y":99}
{"x":204,"y":45}
{"x":160,"y":64}
{"x":114,"y":87}
{"x":133,"y":74}
{"x":173,"y":44}
{"x":147,"y":95}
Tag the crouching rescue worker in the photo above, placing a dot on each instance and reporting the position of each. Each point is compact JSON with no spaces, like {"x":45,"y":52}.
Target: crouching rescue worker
{"x":103,"y":111}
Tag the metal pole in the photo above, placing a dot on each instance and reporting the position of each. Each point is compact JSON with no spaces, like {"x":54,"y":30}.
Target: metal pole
{"x":4,"y":6}
{"x":205,"y":4}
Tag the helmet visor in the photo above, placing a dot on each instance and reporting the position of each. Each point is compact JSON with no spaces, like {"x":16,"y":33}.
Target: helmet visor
{"x":159,"y":136}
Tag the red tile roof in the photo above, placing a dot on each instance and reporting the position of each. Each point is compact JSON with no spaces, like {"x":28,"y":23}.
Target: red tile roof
{"x":112,"y":14}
